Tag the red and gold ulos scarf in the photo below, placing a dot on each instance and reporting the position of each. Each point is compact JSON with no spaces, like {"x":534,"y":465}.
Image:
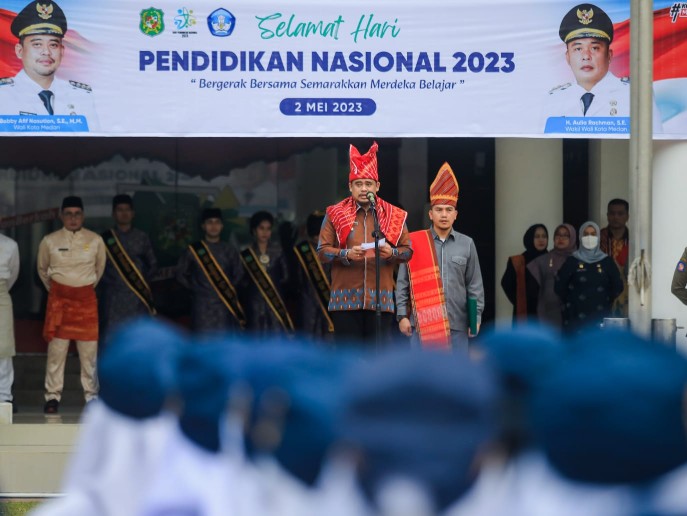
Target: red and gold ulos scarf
{"x":391,"y":219}
{"x":427,"y":293}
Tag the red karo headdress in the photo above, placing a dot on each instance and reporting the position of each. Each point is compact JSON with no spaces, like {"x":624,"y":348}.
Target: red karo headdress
{"x":363,"y":166}
{"x":444,"y":189}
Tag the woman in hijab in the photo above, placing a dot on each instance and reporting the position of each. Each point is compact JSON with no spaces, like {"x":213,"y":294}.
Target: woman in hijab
{"x":587,"y":283}
{"x":543,"y":270}
{"x":517,"y":282}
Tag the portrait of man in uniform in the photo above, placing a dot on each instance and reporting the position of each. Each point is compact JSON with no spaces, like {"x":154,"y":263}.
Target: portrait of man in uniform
{"x":40,"y":28}
{"x":587,"y":32}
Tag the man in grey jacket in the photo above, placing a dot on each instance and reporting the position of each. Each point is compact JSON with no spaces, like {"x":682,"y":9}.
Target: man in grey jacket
{"x":439,"y":302}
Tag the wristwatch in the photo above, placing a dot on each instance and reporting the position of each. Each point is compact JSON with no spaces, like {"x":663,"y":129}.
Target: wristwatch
{"x":399,"y":318}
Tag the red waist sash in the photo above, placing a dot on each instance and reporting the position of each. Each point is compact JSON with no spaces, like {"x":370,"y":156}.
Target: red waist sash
{"x":71,"y":313}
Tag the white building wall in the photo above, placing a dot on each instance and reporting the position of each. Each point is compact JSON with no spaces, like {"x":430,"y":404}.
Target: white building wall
{"x":609,"y":165}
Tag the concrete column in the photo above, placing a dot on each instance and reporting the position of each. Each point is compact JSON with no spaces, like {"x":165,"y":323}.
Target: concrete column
{"x":529,"y":190}
{"x":669,"y":231}
{"x":609,"y":161}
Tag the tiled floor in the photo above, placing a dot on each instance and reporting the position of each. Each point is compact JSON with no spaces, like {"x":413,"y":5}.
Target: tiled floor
{"x":36,"y":449}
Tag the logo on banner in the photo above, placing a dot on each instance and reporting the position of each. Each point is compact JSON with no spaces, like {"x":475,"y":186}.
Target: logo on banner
{"x":183,"y":21}
{"x":678,"y":10}
{"x":152,"y":21}
{"x":221,"y":23}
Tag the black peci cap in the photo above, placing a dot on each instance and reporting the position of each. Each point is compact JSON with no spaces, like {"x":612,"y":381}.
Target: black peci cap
{"x":211,"y":213}
{"x":40,"y":17}
{"x":72,"y":201}
{"x":586,"y":21}
{"x":122,"y":199}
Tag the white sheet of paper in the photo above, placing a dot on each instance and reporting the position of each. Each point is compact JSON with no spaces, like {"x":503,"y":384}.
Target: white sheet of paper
{"x":371,"y":245}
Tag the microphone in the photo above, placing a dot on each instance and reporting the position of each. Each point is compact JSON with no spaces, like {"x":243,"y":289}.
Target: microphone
{"x":372,"y":198}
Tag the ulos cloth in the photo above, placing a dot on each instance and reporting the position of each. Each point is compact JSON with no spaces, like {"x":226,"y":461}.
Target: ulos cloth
{"x":6,"y":323}
{"x":72,"y":313}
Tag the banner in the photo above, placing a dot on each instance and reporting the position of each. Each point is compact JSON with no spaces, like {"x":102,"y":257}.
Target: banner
{"x":306,"y":68}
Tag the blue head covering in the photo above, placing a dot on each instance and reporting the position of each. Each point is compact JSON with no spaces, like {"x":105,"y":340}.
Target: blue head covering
{"x":594,"y":339}
{"x":590,"y":255}
{"x":206,"y":373}
{"x":421,"y":416}
{"x":522,"y":357}
{"x":297,"y":395}
{"x":612,"y":412}
{"x":137,"y":368}
{"x":524,"y":353}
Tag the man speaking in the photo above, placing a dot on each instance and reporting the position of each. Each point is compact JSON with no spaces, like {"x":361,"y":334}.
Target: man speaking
{"x":347,"y":242}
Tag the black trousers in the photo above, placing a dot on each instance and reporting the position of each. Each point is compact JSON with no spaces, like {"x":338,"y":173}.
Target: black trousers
{"x":359,"y":327}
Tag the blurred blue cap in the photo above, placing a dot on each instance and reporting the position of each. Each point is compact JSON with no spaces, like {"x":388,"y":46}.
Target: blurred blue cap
{"x":296,"y":398}
{"x":137,"y":368}
{"x":613,"y":412}
{"x":595,"y":339}
{"x":206,"y":372}
{"x":522,"y":357}
{"x":524,"y":353}
{"x":422,"y":416}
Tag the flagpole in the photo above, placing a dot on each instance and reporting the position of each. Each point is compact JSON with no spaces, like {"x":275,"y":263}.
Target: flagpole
{"x":641,"y":153}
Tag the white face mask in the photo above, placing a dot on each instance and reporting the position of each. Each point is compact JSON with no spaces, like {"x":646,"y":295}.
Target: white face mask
{"x":590,"y":241}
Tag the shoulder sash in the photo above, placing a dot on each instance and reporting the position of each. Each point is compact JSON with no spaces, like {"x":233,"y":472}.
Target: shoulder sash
{"x":391,"y":219}
{"x":127,"y":269}
{"x":427,"y":293}
{"x":267,"y":289}
{"x":307,"y":256}
{"x":219,"y":281}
